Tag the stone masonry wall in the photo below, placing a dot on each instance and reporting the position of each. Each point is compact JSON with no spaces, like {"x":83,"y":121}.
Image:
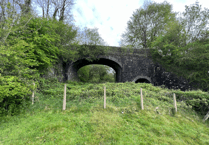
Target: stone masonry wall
{"x":129,"y":66}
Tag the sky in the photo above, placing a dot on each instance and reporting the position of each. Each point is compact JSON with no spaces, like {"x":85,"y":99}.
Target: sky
{"x":111,"y":16}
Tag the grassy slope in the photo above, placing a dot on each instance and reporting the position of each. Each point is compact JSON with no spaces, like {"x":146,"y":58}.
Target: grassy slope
{"x":122,"y":122}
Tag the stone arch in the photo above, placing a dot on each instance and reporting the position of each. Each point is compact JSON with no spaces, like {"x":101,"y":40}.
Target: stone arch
{"x":112,"y":59}
{"x":145,"y":78}
{"x":109,"y":61}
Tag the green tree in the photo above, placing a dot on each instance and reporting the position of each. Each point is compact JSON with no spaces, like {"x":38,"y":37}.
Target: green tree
{"x":12,"y":60}
{"x":146,"y":24}
{"x":195,"y":21}
{"x":167,"y":46}
{"x":83,"y":73}
{"x":183,"y":47}
{"x":68,"y":45}
{"x":25,"y":6}
{"x":15,"y":75}
{"x":96,"y":74}
{"x":41,"y":38}
{"x":28,"y":48}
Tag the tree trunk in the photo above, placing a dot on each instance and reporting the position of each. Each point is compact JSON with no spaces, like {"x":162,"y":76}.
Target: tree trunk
{"x":47,"y":10}
{"x":55,"y":13}
{"x":62,"y":11}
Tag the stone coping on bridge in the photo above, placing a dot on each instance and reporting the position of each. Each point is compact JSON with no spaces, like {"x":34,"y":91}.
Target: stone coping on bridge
{"x":120,"y":49}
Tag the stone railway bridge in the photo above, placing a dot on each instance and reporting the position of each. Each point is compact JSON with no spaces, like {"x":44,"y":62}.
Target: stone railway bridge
{"x":130,"y":66}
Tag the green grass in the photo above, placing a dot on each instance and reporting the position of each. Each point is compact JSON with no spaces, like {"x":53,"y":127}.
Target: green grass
{"x":85,"y":121}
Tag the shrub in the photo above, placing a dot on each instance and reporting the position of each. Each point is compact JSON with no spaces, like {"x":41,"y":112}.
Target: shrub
{"x":14,"y":95}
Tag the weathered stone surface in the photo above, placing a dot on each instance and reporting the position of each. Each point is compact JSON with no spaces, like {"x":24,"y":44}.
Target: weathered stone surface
{"x":130,"y":66}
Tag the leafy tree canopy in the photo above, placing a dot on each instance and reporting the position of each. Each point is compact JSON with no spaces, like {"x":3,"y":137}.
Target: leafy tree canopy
{"x":146,"y":24}
{"x":182,"y":47}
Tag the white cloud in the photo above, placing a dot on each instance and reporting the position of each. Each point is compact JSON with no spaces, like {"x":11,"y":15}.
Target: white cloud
{"x":107,"y":14}
{"x":113,"y":15}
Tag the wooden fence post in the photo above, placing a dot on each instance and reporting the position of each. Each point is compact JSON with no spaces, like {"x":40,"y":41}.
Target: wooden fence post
{"x":104,"y":97}
{"x":33,"y":95}
{"x":174,"y":102}
{"x":142,"y":107}
{"x":64,"y":99}
{"x":206,"y":117}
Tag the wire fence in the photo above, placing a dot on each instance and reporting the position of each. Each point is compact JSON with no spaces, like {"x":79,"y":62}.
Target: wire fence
{"x":141,"y":96}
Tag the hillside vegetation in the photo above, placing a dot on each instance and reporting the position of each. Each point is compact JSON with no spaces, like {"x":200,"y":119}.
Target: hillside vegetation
{"x":85,"y":121}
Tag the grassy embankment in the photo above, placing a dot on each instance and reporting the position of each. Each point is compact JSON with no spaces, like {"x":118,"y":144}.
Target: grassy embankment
{"x":85,"y":121}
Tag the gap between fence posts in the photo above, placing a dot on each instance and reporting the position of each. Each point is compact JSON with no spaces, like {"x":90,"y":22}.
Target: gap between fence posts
{"x":33,"y":94}
{"x":174,"y":102}
{"x":64,"y":99}
{"x":104,"y":97}
{"x":142,"y":107}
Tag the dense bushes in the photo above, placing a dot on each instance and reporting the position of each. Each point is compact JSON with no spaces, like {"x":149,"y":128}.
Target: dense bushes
{"x":14,"y":95}
{"x":197,"y":99}
{"x":29,"y":47}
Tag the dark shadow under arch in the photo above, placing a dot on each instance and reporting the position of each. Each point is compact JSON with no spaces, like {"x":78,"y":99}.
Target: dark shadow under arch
{"x":142,"y":79}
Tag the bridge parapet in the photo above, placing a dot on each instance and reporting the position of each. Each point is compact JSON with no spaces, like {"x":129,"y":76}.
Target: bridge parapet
{"x":127,"y":51}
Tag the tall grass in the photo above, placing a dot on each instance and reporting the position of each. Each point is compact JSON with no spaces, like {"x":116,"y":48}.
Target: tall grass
{"x":85,"y":121}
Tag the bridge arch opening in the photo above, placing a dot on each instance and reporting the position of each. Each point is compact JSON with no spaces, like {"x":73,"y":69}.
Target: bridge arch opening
{"x":142,"y":79}
{"x":96,"y":73}
{"x":108,"y":61}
